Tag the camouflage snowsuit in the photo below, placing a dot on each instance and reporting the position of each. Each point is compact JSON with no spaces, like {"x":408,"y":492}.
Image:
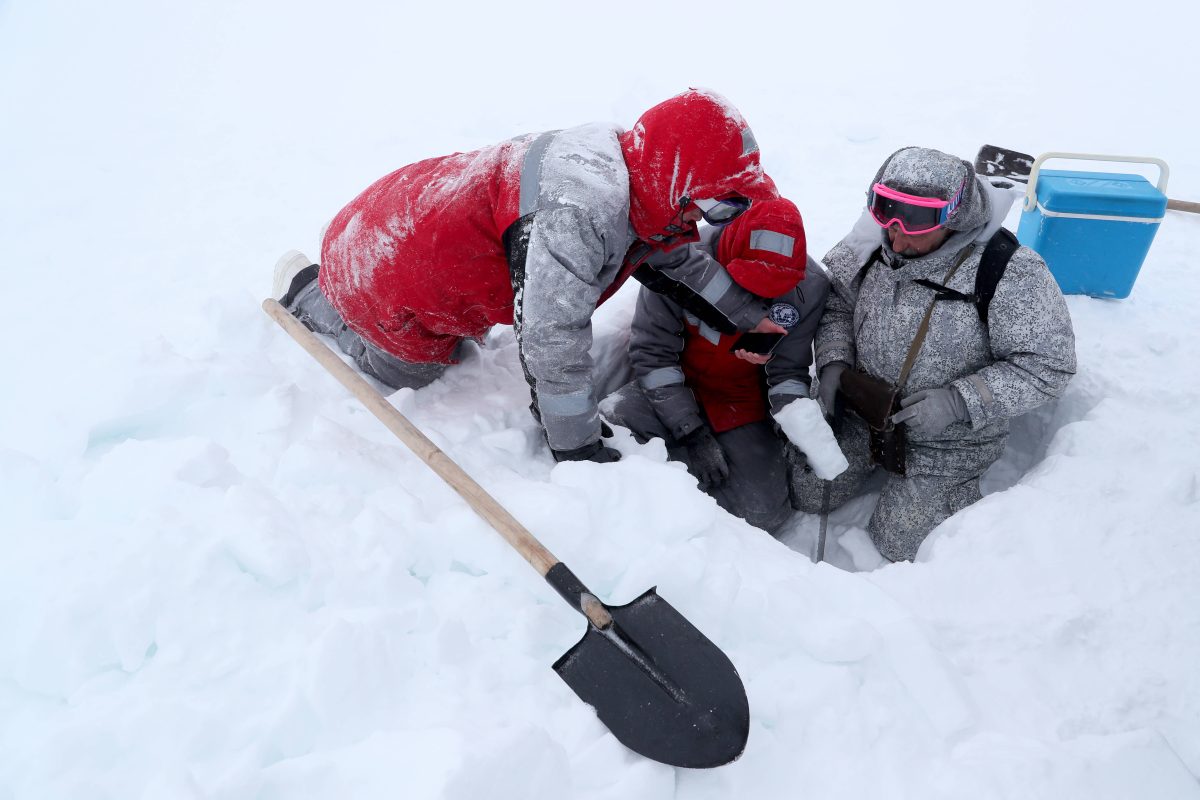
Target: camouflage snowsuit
{"x":1021,"y":359}
{"x":658,"y":403}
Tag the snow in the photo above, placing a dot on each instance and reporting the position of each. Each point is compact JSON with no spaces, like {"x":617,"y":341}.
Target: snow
{"x":222,"y":578}
{"x":805,"y":426}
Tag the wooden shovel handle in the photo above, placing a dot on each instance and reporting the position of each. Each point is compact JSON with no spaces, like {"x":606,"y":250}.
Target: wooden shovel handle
{"x":484,"y":504}
{"x":1184,"y":205}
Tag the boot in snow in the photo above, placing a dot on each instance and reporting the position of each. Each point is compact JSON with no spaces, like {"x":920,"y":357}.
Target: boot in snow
{"x":293,"y":272}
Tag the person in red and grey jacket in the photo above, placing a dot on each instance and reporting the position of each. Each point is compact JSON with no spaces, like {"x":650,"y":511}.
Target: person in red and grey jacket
{"x":712,"y":405}
{"x":535,"y":232}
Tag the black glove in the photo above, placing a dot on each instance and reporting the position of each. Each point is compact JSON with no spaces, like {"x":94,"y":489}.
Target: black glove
{"x":589,"y":452}
{"x":705,"y":458}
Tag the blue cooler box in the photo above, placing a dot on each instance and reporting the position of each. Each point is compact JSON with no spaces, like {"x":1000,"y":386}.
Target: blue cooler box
{"x":1092,"y":228}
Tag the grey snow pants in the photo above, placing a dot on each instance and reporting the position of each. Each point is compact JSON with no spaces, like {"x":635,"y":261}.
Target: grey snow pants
{"x":941,"y":481}
{"x":313,"y":309}
{"x":757,"y":487}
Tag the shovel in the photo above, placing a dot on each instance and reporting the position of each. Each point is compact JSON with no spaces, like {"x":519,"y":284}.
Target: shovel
{"x":998,"y":162}
{"x":662,"y":688}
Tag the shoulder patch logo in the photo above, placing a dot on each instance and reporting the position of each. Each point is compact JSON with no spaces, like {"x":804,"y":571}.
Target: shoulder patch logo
{"x":784,"y":314}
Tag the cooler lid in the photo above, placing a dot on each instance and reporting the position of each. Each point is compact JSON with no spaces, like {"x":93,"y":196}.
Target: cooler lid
{"x":1106,"y":193}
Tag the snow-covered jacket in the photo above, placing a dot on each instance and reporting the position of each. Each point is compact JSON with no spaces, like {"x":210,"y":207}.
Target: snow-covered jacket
{"x":422,"y":257}
{"x":1024,"y":355}
{"x":686,"y":368}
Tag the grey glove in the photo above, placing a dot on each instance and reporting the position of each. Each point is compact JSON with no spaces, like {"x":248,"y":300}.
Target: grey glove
{"x":705,"y":458}
{"x":829,"y":380}
{"x":930,"y":412}
{"x":589,"y":452}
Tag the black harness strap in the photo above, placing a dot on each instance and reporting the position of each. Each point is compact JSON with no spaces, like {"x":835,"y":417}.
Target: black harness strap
{"x":683,"y":295}
{"x":996,"y":255}
{"x":945,"y":292}
{"x":995,"y":260}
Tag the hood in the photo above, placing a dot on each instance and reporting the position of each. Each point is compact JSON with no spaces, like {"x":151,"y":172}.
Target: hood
{"x":932,"y":173}
{"x":764,"y":249}
{"x":694,"y":145}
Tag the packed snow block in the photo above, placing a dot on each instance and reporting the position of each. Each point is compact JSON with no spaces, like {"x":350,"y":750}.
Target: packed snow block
{"x":805,"y":426}
{"x":382,"y":763}
{"x":1135,"y":763}
{"x":1094,"y":229}
{"x":932,"y":682}
{"x":518,"y":760}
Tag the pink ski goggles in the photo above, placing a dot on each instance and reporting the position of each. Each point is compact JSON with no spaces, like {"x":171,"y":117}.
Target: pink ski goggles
{"x":914,"y":214}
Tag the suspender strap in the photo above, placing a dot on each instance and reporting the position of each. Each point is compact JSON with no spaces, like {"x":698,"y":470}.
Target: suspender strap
{"x":945,"y":292}
{"x":919,"y":340}
{"x":996,"y":255}
{"x":683,"y":295}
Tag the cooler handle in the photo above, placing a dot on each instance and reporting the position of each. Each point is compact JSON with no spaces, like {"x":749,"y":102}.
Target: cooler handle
{"x":1031,"y":189}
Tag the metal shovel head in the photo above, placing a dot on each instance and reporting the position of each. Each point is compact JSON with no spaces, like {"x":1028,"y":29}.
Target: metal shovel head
{"x":661,"y":687}
{"x":999,"y":162}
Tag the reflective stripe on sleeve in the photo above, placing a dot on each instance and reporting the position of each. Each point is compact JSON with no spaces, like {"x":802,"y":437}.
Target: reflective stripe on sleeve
{"x":717,"y":286}
{"x":663,"y":376}
{"x":793,"y":386}
{"x":773,"y":242}
{"x":985,"y":391}
{"x":574,"y":404}
{"x":531,"y":172}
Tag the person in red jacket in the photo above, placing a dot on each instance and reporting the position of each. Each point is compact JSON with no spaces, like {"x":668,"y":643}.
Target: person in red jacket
{"x":711,"y":402}
{"x":535,"y":232}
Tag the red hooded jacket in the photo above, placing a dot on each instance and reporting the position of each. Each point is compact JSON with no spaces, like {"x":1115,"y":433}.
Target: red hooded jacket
{"x":417,"y":261}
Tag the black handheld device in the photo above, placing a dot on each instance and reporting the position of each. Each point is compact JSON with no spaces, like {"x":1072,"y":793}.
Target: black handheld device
{"x":760,"y":343}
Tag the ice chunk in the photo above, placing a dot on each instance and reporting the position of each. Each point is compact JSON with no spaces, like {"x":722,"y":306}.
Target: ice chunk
{"x":805,"y":427}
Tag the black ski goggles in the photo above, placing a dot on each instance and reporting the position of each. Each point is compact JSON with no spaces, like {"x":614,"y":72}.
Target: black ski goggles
{"x":720,"y":212}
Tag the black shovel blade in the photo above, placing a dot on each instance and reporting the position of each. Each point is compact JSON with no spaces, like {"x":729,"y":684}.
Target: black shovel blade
{"x":999,"y":162}
{"x":660,"y":685}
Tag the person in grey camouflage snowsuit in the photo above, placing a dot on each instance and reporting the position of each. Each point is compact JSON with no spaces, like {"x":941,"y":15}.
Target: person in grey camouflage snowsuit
{"x":968,"y":379}
{"x":712,"y":407}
